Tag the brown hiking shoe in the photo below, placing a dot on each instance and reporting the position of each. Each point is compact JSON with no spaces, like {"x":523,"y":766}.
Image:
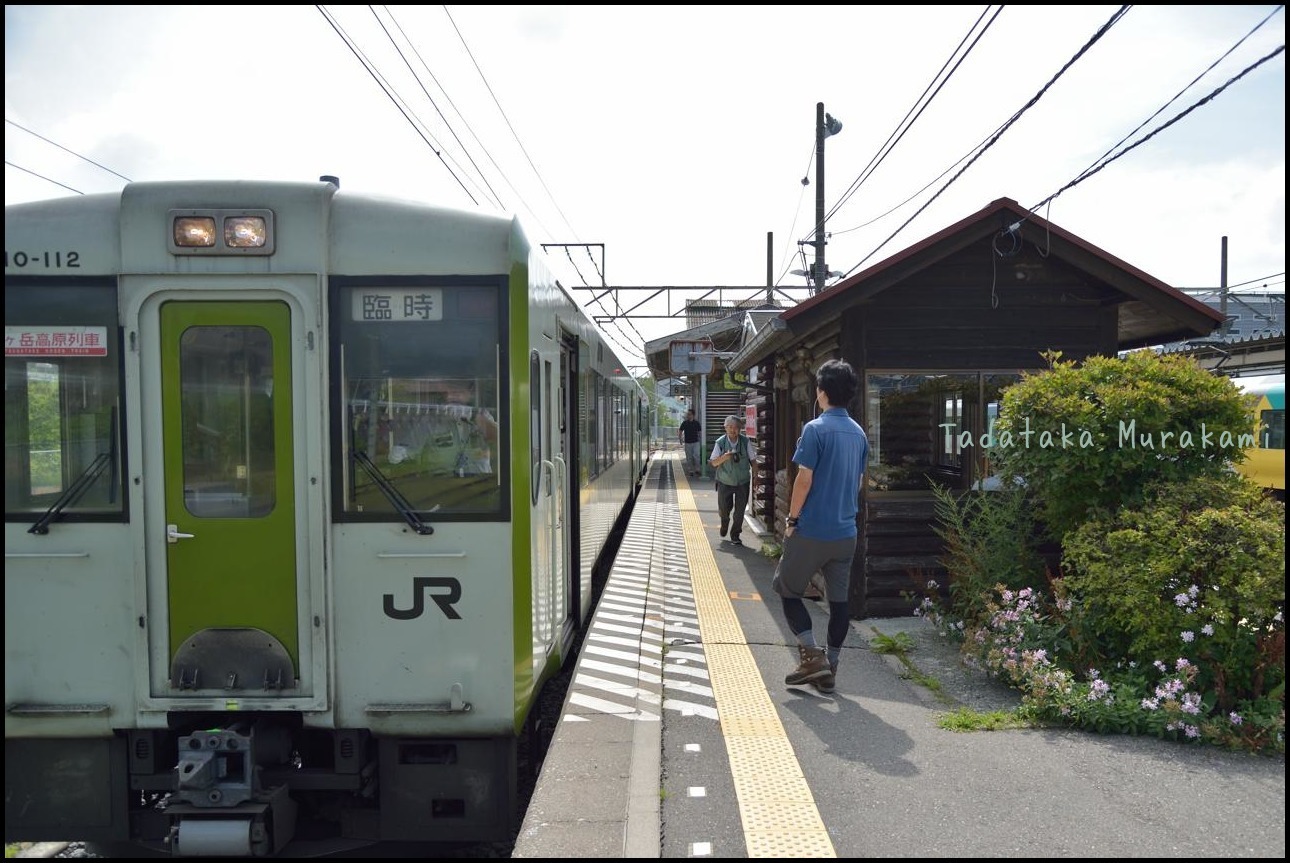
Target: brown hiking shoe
{"x":828,"y":682}
{"x":814,"y":665}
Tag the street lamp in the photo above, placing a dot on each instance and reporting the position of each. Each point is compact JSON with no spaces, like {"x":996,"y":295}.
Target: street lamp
{"x":825,"y":126}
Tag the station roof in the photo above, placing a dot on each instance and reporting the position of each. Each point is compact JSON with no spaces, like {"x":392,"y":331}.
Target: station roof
{"x":1151,"y":313}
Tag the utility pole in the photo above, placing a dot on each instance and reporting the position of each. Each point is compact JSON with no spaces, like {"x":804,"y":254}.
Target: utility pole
{"x":825,"y":126}
{"x":1222,"y":291}
{"x":770,"y":268}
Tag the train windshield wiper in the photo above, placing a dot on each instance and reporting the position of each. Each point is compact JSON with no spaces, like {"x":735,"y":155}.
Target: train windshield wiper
{"x":73,"y":492}
{"x":392,"y":494}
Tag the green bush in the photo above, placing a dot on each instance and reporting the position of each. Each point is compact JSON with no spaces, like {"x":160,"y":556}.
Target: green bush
{"x":1197,"y":573}
{"x":1091,"y":437}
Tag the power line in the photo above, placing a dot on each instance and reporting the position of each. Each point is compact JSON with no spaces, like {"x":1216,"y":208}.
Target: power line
{"x":42,"y":177}
{"x":1262,"y":281}
{"x":65,"y":150}
{"x":1088,"y":172}
{"x":788,"y":260}
{"x":496,"y":199}
{"x":1179,"y":94}
{"x":466,"y":122}
{"x":907,"y":122}
{"x":416,"y":126}
{"x":471,"y":130}
{"x":1102,"y":31}
{"x":514,"y":134}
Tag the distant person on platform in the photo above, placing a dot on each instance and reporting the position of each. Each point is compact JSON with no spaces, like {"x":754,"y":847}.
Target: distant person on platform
{"x":820,"y":534}
{"x":690,"y":432}
{"x":733,"y":456}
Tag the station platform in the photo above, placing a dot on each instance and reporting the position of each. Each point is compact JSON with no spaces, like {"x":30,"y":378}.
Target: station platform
{"x":679,"y":738}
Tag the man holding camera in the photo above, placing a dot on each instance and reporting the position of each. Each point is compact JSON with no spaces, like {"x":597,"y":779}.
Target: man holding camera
{"x":733,"y":458}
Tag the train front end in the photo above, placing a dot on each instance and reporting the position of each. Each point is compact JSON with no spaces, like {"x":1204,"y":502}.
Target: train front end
{"x":262,"y":586}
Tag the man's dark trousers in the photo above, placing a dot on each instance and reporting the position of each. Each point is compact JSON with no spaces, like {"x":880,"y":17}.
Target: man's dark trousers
{"x":732,"y":500}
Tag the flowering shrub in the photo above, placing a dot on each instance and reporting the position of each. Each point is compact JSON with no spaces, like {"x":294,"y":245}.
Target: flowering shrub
{"x":1198,"y":571}
{"x":1167,"y":618}
{"x":1017,"y":640}
{"x":1025,"y":640}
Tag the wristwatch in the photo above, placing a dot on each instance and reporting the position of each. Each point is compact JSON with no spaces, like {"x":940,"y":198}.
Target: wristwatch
{"x":791,"y":521}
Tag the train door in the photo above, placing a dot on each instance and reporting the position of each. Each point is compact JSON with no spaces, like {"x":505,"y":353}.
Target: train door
{"x":230,"y":509}
{"x":557,"y":491}
{"x":567,"y":467}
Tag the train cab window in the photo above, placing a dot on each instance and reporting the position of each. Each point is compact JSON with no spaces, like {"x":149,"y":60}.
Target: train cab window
{"x":62,"y":426}
{"x":419,"y":407}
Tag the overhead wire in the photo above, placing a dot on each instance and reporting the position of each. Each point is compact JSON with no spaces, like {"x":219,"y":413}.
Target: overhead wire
{"x":920,"y":105}
{"x":496,"y":199}
{"x":500,"y":205}
{"x":1243,"y":284}
{"x":1102,"y":31}
{"x":370,"y":67}
{"x":618,"y":311}
{"x":927,"y":186}
{"x":416,"y":126}
{"x":502,"y":111}
{"x":904,"y":126}
{"x":1088,"y":172}
{"x":1179,"y":94}
{"x":788,"y":259}
{"x":613,"y":318}
{"x":42,"y":177}
{"x":459,"y":113}
{"x":65,"y":150}
{"x":465,"y":149}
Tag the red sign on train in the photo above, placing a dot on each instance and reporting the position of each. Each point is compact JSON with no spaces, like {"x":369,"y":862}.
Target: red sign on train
{"x":55,"y":341}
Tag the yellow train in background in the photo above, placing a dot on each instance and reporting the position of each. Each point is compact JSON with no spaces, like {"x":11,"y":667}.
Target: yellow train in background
{"x":1265,"y":462}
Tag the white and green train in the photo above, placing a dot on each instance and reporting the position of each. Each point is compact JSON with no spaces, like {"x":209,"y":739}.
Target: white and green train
{"x":304,"y":495}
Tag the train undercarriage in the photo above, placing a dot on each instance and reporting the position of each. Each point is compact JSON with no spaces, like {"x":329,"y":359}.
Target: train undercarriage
{"x":258,"y":787}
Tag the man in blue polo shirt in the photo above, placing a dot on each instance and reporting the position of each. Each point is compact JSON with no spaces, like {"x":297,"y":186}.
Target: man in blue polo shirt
{"x":820,"y":533}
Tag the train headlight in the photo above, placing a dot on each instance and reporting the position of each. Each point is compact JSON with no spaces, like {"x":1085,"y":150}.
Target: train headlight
{"x":245,"y":232}
{"x":221,"y":232}
{"x":194,"y":232}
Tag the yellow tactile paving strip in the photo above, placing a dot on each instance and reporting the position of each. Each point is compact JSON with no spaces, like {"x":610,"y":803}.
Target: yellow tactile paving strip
{"x":775,"y":803}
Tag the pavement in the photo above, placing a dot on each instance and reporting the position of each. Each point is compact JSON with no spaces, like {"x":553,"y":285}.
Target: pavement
{"x":680,"y":739}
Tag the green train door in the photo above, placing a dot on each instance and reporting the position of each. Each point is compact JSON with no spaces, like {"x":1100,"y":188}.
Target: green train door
{"x":229,"y":495}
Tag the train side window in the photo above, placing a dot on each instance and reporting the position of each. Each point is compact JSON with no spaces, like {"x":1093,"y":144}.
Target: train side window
{"x":62,"y":415}
{"x":420,"y":406}
{"x":547,"y":443}
{"x":535,"y":427}
{"x":1273,"y":429}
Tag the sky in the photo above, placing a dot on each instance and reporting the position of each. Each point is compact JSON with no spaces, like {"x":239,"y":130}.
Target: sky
{"x":674,"y":140}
